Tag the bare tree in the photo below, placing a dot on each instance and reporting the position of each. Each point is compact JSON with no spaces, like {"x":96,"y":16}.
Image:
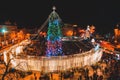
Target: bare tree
{"x":5,"y":69}
{"x":8,"y":73}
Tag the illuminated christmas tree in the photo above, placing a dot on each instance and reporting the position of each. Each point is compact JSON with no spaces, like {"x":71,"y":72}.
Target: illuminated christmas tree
{"x":54,"y":34}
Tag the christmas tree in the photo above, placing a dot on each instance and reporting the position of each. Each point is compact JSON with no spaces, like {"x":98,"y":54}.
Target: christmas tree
{"x":54,"y":34}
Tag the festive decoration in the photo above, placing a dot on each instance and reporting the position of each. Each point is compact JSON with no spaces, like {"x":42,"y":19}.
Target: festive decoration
{"x":54,"y":34}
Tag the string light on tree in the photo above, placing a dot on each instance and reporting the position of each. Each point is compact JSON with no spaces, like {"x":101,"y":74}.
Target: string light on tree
{"x":54,"y":34}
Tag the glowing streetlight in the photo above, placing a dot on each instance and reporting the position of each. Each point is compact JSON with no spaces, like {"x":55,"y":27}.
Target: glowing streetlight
{"x":4,"y":32}
{"x":74,"y":29}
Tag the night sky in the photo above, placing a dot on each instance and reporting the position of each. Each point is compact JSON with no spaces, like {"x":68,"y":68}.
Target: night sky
{"x":103,"y":14}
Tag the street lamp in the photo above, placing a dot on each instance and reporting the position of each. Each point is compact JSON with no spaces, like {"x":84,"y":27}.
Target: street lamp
{"x":74,"y":30}
{"x":4,"y":32}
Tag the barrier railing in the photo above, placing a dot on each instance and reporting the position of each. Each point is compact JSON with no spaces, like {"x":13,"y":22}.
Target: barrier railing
{"x":58,"y":63}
